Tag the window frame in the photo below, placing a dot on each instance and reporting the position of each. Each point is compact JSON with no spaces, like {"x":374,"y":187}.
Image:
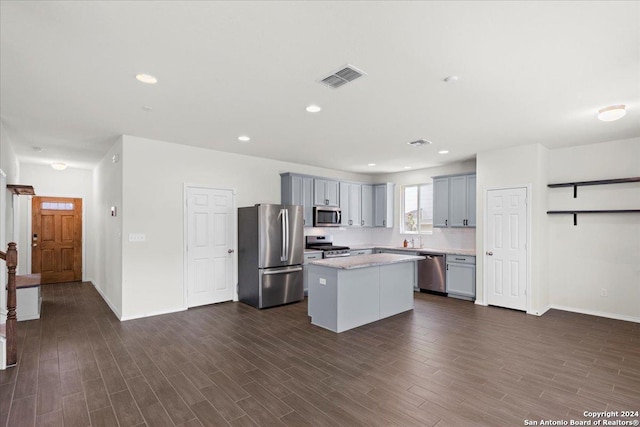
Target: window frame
{"x":419,"y":226}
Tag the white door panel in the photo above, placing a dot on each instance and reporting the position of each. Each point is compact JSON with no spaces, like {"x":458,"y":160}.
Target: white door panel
{"x":209,"y":240}
{"x":505,"y":249}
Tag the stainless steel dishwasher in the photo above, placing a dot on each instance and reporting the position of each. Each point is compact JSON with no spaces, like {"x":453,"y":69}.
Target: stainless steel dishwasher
{"x":432,"y":272}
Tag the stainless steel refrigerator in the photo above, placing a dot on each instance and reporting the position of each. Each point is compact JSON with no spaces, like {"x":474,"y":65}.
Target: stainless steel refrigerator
{"x":270,"y":254}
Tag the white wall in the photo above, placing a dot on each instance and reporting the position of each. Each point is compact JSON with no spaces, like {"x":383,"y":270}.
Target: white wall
{"x":46,"y":181}
{"x":10,"y":169}
{"x":154,"y":175}
{"x":603,"y":250}
{"x":105,"y":256}
{"x":515,"y":167}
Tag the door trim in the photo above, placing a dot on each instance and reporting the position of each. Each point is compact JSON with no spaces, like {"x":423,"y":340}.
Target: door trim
{"x":485,"y":237}
{"x":185,"y":238}
{"x":27,"y":239}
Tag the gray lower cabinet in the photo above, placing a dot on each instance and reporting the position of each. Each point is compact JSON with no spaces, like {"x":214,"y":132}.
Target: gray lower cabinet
{"x":461,"y":276}
{"x":298,"y":190}
{"x":308,"y":256}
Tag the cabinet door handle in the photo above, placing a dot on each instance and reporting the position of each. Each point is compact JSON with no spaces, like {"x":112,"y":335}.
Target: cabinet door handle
{"x":384,"y":222}
{"x":446,"y":222}
{"x":362,"y":222}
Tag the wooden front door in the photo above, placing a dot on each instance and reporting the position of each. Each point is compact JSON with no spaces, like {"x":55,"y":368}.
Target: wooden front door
{"x":57,"y":239}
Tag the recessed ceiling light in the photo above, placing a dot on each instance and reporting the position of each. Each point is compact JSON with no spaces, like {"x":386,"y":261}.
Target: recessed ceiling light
{"x":147,"y":108}
{"x":451,"y":79}
{"x":244,"y":138}
{"x":371,"y":164}
{"x":407,"y":167}
{"x":59,"y":166}
{"x":419,"y":143}
{"x":146,"y":78}
{"x":314,"y":108}
{"x":612,"y":113}
{"x":443,"y":152}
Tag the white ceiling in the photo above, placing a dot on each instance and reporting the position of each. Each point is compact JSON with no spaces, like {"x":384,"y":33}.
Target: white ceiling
{"x":534,"y":72}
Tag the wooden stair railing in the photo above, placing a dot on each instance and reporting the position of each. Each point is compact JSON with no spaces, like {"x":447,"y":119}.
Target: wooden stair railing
{"x":11,"y":258}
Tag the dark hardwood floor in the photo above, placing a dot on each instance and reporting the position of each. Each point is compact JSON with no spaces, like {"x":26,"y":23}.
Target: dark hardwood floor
{"x":447,"y":363}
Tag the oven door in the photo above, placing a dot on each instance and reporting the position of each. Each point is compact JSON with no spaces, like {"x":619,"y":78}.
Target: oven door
{"x":326,"y":217}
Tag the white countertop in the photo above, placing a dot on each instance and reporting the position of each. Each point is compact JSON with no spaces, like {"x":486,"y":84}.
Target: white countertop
{"x":363,"y":261}
{"x":466,"y":252}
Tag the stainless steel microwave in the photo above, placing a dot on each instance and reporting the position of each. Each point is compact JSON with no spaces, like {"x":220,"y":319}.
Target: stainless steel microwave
{"x":326,"y":217}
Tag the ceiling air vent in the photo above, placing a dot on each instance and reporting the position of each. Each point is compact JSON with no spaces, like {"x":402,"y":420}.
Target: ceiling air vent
{"x":344,"y":75}
{"x":419,"y":143}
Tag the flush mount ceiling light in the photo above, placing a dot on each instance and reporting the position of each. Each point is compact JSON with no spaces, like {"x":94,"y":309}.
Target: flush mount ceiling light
{"x":38,"y":149}
{"x":371,"y":164}
{"x":244,"y":138}
{"x":419,"y":143}
{"x":612,"y":113}
{"x":407,"y":167}
{"x":443,"y":152}
{"x":59,"y":166}
{"x":451,"y":79}
{"x":146,"y":78}
{"x":147,"y":108}
{"x":314,"y":108}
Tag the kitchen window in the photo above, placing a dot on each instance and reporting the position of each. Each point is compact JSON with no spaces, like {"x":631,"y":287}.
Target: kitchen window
{"x":417,"y":208}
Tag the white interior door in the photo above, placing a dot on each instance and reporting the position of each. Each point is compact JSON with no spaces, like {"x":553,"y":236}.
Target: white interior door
{"x":506,"y":248}
{"x":210,"y":243}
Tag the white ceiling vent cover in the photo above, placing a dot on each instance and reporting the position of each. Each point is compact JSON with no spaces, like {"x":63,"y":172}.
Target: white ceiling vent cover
{"x":344,"y":75}
{"x":419,"y":143}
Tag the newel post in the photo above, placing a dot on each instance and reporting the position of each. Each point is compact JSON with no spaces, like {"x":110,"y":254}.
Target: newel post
{"x":12,"y":262}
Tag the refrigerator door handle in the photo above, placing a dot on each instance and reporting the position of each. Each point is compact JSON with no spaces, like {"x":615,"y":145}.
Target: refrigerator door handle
{"x":282,"y":270}
{"x":283,"y":236}
{"x":288,"y":238}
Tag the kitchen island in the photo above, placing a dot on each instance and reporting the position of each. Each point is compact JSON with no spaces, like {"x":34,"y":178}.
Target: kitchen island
{"x":348,"y":292}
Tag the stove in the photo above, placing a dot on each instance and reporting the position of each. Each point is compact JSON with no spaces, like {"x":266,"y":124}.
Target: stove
{"x":325,"y":244}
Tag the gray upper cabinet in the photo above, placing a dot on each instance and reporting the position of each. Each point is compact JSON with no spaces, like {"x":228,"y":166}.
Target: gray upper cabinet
{"x":440,"y":202}
{"x":298,"y":190}
{"x":325,"y":192}
{"x":383,"y":205}
{"x":366,"y":219}
{"x":454,"y":201}
{"x":351,"y":203}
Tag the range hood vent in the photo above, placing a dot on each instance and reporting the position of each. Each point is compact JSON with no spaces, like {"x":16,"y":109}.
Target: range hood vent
{"x":344,"y":75}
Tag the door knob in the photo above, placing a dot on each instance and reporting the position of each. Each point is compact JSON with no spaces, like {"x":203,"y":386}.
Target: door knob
{"x":489,"y":253}
{"x":34,"y":245}
{"x":230,"y":251}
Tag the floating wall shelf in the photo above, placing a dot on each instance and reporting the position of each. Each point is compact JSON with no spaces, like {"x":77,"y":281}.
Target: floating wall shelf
{"x":576,"y":212}
{"x":21,"y":190}
{"x":577,"y":184}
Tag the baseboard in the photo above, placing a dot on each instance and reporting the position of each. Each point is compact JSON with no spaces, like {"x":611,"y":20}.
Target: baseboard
{"x":540,"y":312}
{"x":155,"y":313}
{"x":597,"y":313}
{"x":104,"y":297}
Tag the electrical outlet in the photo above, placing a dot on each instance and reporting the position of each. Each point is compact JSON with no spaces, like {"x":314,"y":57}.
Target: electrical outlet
{"x":323,"y":281}
{"x":603,"y":292}
{"x":139,"y":237}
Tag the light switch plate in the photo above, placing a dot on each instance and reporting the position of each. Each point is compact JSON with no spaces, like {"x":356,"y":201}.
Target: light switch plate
{"x":323,"y":281}
{"x":138,"y":237}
